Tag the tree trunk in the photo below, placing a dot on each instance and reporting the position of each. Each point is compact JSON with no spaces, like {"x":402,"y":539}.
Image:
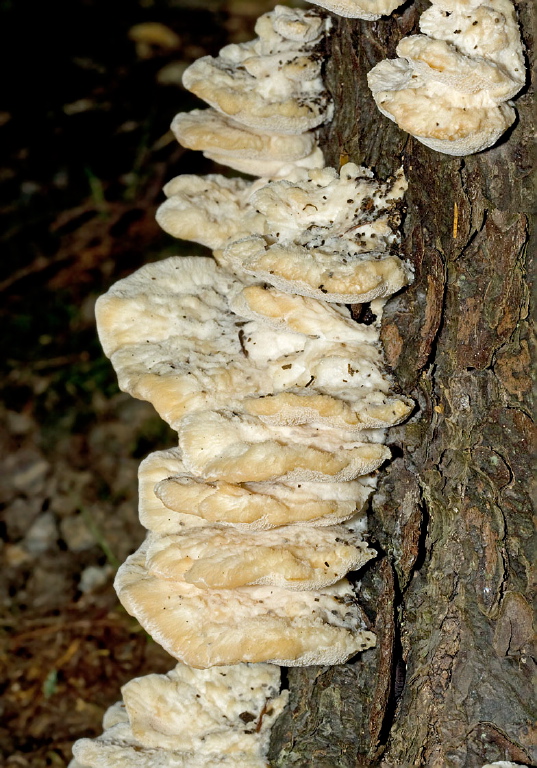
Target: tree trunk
{"x":449,"y":684}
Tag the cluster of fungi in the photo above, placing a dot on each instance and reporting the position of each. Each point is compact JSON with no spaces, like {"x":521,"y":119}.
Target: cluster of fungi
{"x":280,"y":398}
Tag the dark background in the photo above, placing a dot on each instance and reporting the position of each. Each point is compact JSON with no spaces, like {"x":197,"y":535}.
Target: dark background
{"x":85,"y":149}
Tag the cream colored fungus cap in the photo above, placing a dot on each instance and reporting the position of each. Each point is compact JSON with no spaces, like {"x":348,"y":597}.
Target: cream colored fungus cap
{"x":298,"y":557}
{"x":374,"y":410}
{"x":429,"y":110}
{"x":298,"y":25}
{"x":285,"y":26}
{"x":209,"y":210}
{"x":259,"y":506}
{"x":170,"y":496}
{"x":209,"y":131}
{"x":227,"y":142}
{"x":173,"y":500}
{"x":486,"y":30}
{"x":270,"y":169}
{"x":236,"y":448}
{"x":207,"y":627}
{"x":181,"y":297}
{"x":272,"y":83}
{"x":320,"y":273}
{"x":451,"y":88}
{"x":329,"y":236}
{"x":285,"y":105}
{"x":173,"y":341}
{"x":360,"y":9}
{"x":190,"y":717}
{"x":325,"y":207}
{"x":154,"y":514}
{"x":441,"y":61}
{"x":317,"y":319}
{"x":299,"y":314}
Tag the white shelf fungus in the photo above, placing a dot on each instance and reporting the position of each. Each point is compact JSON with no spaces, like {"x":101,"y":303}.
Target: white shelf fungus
{"x":209,"y":210}
{"x":295,"y":557}
{"x":279,"y":397}
{"x":360,"y":9}
{"x":210,"y":627}
{"x":174,"y":341}
{"x":170,"y":496}
{"x":273,"y":83}
{"x":329,"y":236}
{"x":451,"y":86}
{"x":260,"y":154}
{"x":266,"y":96}
{"x":228,"y":446}
{"x":280,"y":400}
{"x":190,"y":718}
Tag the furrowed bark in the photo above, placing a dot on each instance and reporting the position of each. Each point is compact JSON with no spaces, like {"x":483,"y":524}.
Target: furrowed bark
{"x":450,"y":682}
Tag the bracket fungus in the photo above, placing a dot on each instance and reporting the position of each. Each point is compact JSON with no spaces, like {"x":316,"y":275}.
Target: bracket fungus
{"x":189,"y":718}
{"x":273,"y":83}
{"x":280,"y":399}
{"x":169,"y":496}
{"x":174,"y":341}
{"x":451,"y":86}
{"x":209,"y":210}
{"x":266,"y":99}
{"x":225,"y":141}
{"x":211,"y":627}
{"x":370,"y":10}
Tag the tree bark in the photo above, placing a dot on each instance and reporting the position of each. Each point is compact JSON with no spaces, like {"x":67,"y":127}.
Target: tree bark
{"x":449,"y":684}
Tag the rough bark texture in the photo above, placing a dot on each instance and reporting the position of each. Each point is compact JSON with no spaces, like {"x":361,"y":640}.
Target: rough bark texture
{"x":450,"y":682}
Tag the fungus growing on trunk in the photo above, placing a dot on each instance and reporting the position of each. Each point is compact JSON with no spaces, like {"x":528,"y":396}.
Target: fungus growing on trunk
{"x":451,"y":86}
{"x":267,"y":96}
{"x":273,"y":83}
{"x":211,"y":627}
{"x":189,"y":718}
{"x":280,"y":400}
{"x":370,"y":10}
{"x":169,"y":494}
{"x":210,"y":210}
{"x":225,"y":141}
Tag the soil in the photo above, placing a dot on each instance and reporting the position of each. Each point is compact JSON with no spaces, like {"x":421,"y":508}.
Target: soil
{"x":84,"y":128}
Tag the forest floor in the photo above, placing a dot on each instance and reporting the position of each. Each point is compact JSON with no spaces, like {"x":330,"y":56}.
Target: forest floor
{"x":87,"y":149}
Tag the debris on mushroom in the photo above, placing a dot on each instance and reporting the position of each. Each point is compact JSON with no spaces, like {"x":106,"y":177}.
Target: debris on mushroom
{"x":174,"y":340}
{"x":451,"y":86}
{"x":329,"y":236}
{"x":273,"y":83}
{"x":370,"y":10}
{"x":190,"y":718}
{"x":211,"y":627}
